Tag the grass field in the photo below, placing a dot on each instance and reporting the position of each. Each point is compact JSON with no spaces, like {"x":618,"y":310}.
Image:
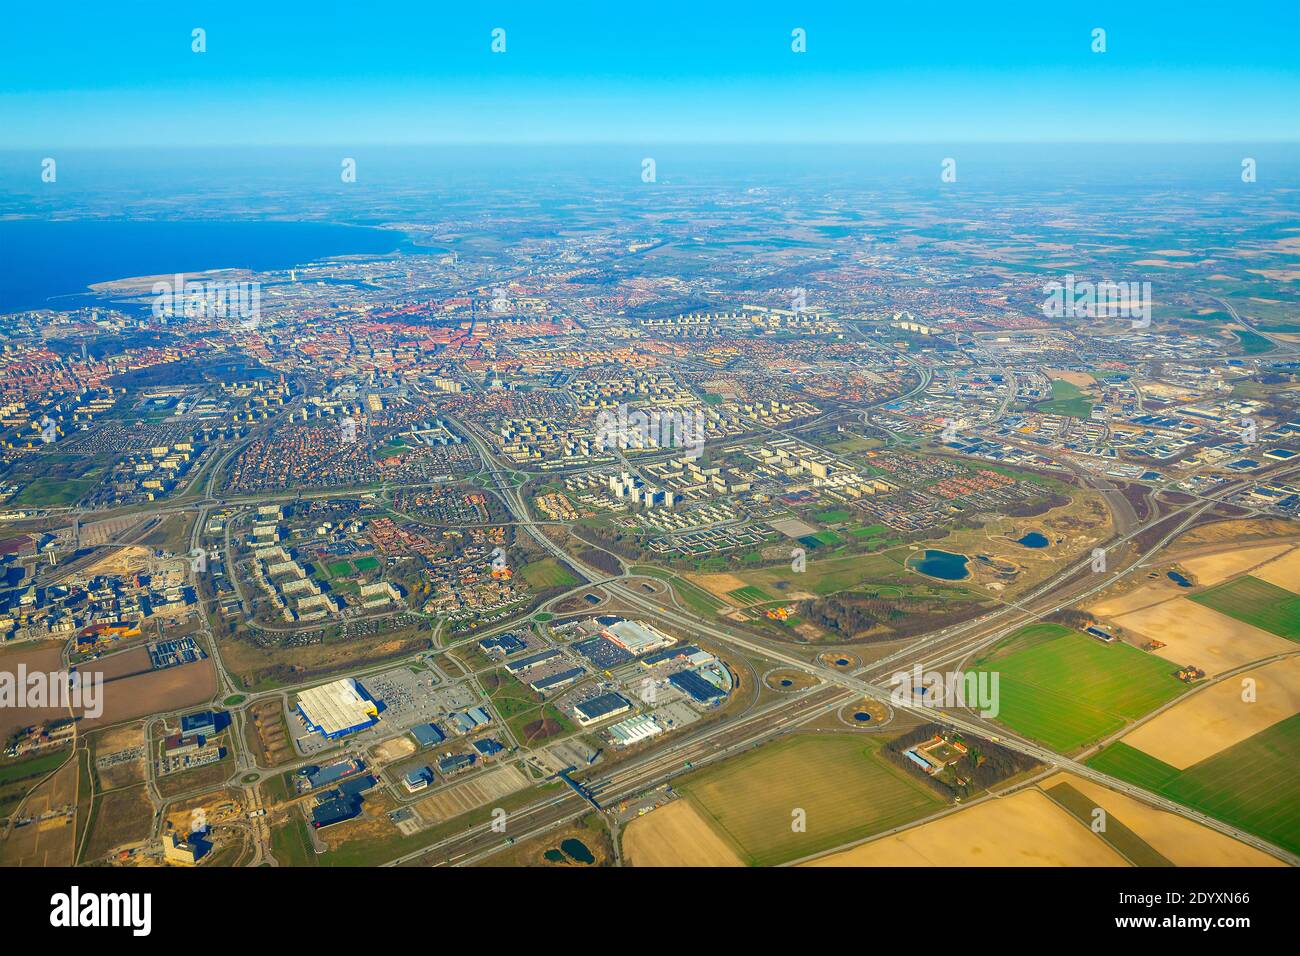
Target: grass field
{"x":845,"y":789}
{"x":1257,"y":603}
{"x":834,"y":516}
{"x":1067,"y":399}
{"x":1066,"y":690}
{"x":291,"y":843}
{"x":829,"y":575}
{"x":52,"y":492}
{"x":547,"y":573}
{"x":1252,"y":785}
{"x":749,"y":595}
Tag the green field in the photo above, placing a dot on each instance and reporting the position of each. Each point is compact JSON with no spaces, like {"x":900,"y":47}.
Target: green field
{"x":1257,"y":603}
{"x":1067,"y":399}
{"x":32,"y":767}
{"x":1252,"y":343}
{"x":1066,"y":690}
{"x":1252,"y":785}
{"x":340,"y":569}
{"x":52,"y":492}
{"x":845,"y":789}
{"x":291,"y":843}
{"x":829,"y":575}
{"x":547,"y":573}
{"x":368,"y":563}
{"x":749,"y":595}
{"x":834,"y":516}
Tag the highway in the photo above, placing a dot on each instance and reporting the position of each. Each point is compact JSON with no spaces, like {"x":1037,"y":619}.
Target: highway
{"x":903,"y":660}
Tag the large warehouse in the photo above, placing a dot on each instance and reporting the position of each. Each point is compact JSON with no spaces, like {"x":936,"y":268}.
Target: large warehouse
{"x":638,"y":637}
{"x":338,"y":709}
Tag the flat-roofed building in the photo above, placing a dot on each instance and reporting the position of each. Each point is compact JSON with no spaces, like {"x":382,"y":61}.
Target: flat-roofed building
{"x":638,"y":637}
{"x":634,"y":730}
{"x":337,"y":709}
{"x":599,"y":708}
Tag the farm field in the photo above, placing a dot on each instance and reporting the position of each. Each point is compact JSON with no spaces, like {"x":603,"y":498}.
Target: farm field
{"x":119,"y":817}
{"x":1181,"y":841}
{"x":676,"y":835}
{"x":1216,"y":568}
{"x":1195,"y":634}
{"x":749,"y":595}
{"x":1024,"y":829}
{"x":846,"y":791}
{"x":1215,"y":717}
{"x":1066,"y":690}
{"x":1258,"y":603}
{"x":1284,"y":571}
{"x":1252,"y":785}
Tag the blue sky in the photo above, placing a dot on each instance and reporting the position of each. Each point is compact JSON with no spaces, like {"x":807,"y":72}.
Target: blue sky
{"x":94,"y":74}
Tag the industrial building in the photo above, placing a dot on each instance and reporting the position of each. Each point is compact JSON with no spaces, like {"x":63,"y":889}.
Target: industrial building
{"x":470,"y":720}
{"x":338,"y":709}
{"x":321,"y":777}
{"x":418,"y":780}
{"x":638,"y":637}
{"x":531,"y":661}
{"x":556,"y":680}
{"x":203,"y":723}
{"x":599,"y":708}
{"x":451,"y":763}
{"x":695,"y":685}
{"x":504,"y":644}
{"x":634,"y":730}
{"x":428,"y":735}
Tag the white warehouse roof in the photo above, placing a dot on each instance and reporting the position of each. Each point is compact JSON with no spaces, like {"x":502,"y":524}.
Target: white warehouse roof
{"x":338,"y":707}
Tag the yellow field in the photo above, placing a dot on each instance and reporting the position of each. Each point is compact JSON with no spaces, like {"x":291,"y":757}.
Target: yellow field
{"x":719,"y":584}
{"x":1081,"y":379}
{"x":675,"y":835}
{"x":1025,"y":829}
{"x":1021,"y":830}
{"x":1283,"y":571}
{"x":1144,"y":595}
{"x":1214,"y":719}
{"x":1182,"y":841}
{"x":1196,"y":635}
{"x":1214,"y":568}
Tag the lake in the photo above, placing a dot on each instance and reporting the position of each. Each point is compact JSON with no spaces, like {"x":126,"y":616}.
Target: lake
{"x":943,"y":565}
{"x":1033,"y":539}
